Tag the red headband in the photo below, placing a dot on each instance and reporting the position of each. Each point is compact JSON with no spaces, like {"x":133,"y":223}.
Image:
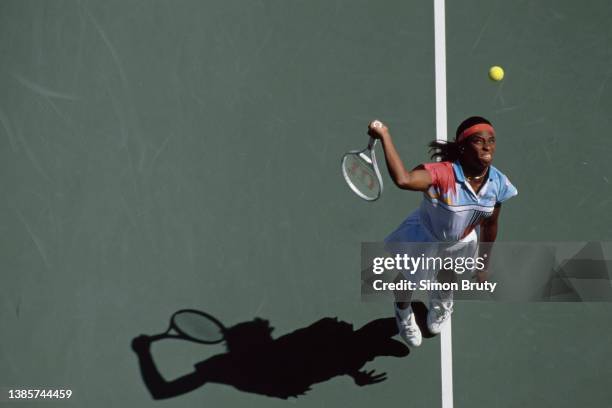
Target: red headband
{"x":480,"y":127}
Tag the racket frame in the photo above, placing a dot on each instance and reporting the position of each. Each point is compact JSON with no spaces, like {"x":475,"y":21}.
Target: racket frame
{"x":184,"y":336}
{"x":369,"y":156}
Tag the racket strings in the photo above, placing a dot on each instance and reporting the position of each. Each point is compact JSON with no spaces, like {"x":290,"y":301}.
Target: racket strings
{"x":361,"y":176}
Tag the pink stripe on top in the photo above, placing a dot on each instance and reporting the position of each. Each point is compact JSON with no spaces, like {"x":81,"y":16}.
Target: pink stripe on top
{"x":442,"y":176}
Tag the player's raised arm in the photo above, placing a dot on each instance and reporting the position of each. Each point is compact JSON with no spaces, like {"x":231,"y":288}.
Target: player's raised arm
{"x":416,"y":180}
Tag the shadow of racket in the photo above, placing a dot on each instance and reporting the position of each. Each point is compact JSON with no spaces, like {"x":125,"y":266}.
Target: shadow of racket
{"x":193,"y":325}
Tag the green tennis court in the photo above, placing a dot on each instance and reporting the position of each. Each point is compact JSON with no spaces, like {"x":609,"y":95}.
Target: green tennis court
{"x":158,"y":156}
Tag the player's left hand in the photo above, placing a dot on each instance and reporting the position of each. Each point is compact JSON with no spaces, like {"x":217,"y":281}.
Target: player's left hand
{"x":481,"y":276}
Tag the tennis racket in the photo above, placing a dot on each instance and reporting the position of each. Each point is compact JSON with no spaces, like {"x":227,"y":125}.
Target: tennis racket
{"x":194,"y":325}
{"x":361,"y":172}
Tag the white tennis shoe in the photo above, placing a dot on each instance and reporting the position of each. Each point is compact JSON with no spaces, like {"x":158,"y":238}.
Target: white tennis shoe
{"x":408,"y":328}
{"x":438,"y":315}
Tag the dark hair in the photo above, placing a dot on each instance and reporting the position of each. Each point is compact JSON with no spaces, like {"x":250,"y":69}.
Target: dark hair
{"x":469,"y":122}
{"x":451,"y":150}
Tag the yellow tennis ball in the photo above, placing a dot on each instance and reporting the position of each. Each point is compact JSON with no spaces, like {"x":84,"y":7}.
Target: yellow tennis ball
{"x":496,"y":73}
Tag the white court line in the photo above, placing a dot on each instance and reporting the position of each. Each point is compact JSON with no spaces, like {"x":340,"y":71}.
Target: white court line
{"x":440,"y":65}
{"x":446,"y":340}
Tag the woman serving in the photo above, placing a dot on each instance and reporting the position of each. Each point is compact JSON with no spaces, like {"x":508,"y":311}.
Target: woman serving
{"x":462,"y":194}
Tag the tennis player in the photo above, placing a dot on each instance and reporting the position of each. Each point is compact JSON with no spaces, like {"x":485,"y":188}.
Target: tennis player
{"x":462,"y":198}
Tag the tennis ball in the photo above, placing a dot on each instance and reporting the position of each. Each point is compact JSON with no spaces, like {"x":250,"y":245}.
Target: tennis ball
{"x":496,"y":73}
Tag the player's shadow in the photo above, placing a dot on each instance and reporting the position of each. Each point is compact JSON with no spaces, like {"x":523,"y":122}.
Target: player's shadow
{"x":287,"y":366}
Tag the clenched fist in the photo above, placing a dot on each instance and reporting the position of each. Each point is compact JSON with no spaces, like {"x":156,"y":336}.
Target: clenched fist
{"x":377,"y":129}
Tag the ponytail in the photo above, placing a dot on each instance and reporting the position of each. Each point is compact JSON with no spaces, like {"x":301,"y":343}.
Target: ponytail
{"x":443,"y":150}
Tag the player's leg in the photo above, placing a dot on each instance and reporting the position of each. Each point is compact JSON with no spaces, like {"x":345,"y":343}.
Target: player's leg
{"x":409,"y":231}
{"x":405,"y":318}
{"x":440,"y":303}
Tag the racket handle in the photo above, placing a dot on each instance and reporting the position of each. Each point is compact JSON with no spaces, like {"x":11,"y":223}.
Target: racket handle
{"x":372,"y":143}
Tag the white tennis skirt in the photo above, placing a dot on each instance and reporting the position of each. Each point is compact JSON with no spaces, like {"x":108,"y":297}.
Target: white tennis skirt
{"x":411,"y":232}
